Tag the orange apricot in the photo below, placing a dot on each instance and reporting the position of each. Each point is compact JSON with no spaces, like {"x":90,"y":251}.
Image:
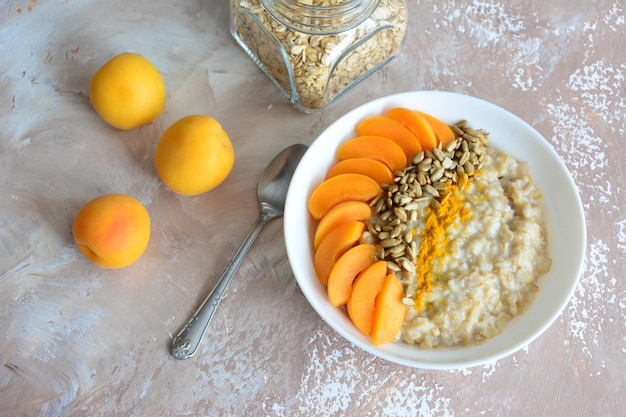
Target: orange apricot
{"x":340,"y":188}
{"x":379,"y":148}
{"x":128,"y":91}
{"x":443,"y":133}
{"x":389,"y":128}
{"x":112,"y":231}
{"x":389,"y":311}
{"x":417,"y":124}
{"x":194,"y":155}
{"x":374,"y":169}
{"x":334,"y":245}
{"x":345,"y":270}
{"x":341,"y":213}
{"x":367,"y":285}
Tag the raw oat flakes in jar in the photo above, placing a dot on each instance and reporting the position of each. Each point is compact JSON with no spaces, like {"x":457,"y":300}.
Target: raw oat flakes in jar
{"x":315,"y":50}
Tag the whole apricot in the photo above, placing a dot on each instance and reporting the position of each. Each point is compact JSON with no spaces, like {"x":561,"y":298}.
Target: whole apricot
{"x":127,"y":91}
{"x":112,"y":231}
{"x":194,"y":155}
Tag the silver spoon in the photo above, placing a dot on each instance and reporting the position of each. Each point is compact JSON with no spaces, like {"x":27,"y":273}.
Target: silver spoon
{"x":271,"y":191}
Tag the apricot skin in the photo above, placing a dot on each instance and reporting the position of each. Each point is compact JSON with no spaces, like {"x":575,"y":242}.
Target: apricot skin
{"x":339,"y":189}
{"x":112,"y":231}
{"x":194,"y":155}
{"x":128,"y":91}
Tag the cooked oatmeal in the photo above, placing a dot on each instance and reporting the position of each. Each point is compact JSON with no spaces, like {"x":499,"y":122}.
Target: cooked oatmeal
{"x":493,"y":259}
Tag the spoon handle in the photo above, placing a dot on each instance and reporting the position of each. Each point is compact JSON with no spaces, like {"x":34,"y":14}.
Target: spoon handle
{"x":186,"y":343}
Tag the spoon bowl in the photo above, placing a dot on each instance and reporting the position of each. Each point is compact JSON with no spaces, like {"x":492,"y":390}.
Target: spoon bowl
{"x":271,"y":193}
{"x":275,"y":180}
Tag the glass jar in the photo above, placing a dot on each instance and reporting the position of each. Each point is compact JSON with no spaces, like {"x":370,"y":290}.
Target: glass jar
{"x":315,"y":50}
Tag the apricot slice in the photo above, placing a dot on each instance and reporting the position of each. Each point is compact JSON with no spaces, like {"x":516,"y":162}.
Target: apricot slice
{"x":345,"y":270}
{"x":443,"y":133}
{"x":416,"y":124}
{"x":389,"y":311}
{"x":341,"y":213}
{"x":367,"y":285}
{"x":340,"y":188}
{"x":389,"y":128}
{"x":334,"y":245}
{"x":379,"y":148}
{"x":374,"y":169}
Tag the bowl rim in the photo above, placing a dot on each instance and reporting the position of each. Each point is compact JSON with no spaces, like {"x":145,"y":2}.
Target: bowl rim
{"x":562,"y":212}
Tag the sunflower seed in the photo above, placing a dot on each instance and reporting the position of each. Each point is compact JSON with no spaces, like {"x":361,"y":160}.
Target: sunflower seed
{"x":389,"y":242}
{"x":418,"y":158}
{"x":439,"y":153}
{"x":406,"y":265}
{"x":413,"y":205}
{"x":448,"y":163}
{"x":451,"y":146}
{"x":408,"y":301}
{"x":397,"y":230}
{"x":392,"y":266}
{"x":398,"y":249}
{"x":464,"y":158}
{"x":440,"y":186}
{"x":430,"y":190}
{"x":384,"y":235}
{"x":380,"y":252}
{"x":368,"y":237}
{"x":401,"y":214}
{"x":437,"y":174}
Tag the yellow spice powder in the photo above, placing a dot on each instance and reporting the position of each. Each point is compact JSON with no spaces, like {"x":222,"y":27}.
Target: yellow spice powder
{"x":434,"y":239}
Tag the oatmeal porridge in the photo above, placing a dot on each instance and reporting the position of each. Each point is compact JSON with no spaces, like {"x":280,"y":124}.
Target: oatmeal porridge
{"x":492,"y":261}
{"x":462,"y":229}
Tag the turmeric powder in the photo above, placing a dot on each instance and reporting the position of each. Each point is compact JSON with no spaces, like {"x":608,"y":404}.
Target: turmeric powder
{"x":434,"y":240}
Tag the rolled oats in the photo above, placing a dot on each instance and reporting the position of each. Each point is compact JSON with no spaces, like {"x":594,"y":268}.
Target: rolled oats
{"x":313,"y":67}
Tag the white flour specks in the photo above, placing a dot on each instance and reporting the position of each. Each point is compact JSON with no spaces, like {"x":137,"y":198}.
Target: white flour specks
{"x":410,"y":398}
{"x":621,"y":236}
{"x":324,"y":392}
{"x":330,"y":384}
{"x":601,"y":87}
{"x":487,"y":21}
{"x":497,"y":30}
{"x":576,"y":141}
{"x":598,"y":89}
{"x":615,"y":17}
{"x":589,"y":296}
{"x":488,"y":369}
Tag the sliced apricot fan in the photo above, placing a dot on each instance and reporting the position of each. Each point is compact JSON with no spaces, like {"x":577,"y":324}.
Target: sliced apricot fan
{"x":389,"y":128}
{"x":345,"y":270}
{"x":374,"y":169}
{"x":341,"y":213}
{"x":443,"y":133}
{"x":367,"y":285}
{"x":374,"y":147}
{"x":334,"y":245}
{"x":416,"y":124}
{"x":340,"y":188}
{"x":389,"y":311}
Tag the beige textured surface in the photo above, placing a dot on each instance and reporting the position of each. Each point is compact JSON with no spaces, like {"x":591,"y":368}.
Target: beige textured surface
{"x":77,"y":340}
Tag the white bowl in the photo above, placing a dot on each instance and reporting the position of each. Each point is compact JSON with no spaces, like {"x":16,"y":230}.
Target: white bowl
{"x":562,"y":210}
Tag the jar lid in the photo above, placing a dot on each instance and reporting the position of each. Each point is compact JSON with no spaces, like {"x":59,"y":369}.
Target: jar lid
{"x":320,"y":17}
